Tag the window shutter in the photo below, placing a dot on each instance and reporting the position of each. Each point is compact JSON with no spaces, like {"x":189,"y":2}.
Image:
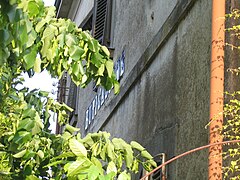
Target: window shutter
{"x":72,"y":99}
{"x":102,"y":21}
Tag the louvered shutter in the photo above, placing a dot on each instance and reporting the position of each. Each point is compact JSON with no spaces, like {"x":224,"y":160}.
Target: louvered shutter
{"x":102,"y":21}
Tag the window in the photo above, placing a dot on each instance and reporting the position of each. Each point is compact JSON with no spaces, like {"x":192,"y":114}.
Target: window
{"x":102,"y":21}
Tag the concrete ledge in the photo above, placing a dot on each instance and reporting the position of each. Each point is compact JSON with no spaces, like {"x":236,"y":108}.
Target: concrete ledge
{"x":179,"y":12}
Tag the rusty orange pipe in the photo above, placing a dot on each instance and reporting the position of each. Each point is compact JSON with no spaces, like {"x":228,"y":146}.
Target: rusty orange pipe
{"x":187,"y":153}
{"x":216,"y":89}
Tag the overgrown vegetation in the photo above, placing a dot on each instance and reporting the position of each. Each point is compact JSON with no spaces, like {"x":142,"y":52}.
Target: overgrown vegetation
{"x":231,"y":128}
{"x":32,"y":40}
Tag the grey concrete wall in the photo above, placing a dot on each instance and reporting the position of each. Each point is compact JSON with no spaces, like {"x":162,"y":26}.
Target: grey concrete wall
{"x":192,"y":95}
{"x":164,"y":98}
{"x":135,"y":23}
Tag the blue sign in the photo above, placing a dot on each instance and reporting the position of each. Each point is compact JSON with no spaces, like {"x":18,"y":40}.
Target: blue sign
{"x":102,"y":94}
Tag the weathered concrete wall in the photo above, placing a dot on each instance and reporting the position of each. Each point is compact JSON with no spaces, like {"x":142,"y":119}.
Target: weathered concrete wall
{"x":192,"y":85}
{"x":167,"y":107}
{"x":134,"y":25}
{"x":164,"y":98}
{"x":147,"y":114}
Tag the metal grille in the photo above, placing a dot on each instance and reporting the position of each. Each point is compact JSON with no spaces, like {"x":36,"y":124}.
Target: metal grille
{"x":158,"y":174}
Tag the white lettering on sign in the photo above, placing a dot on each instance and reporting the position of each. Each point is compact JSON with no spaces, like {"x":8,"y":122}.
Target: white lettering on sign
{"x":102,"y":94}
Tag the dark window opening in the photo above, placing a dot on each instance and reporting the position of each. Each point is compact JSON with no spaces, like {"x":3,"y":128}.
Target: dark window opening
{"x":87,"y":23}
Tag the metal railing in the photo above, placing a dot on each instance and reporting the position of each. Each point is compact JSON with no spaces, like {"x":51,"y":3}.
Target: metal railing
{"x":163,"y":165}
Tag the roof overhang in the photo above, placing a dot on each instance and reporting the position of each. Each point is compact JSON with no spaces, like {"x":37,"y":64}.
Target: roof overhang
{"x":63,"y":7}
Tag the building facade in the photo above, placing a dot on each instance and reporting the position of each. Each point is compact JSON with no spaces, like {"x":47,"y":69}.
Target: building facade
{"x":161,"y":50}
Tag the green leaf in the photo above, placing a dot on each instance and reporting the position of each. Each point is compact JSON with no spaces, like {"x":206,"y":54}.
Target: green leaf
{"x":135,"y":166}
{"x":66,"y":107}
{"x":93,"y":172}
{"x":152,"y":162}
{"x":81,"y":69}
{"x":61,"y":39}
{"x":4,"y":54}
{"x":43,"y":93}
{"x":29,"y":113}
{"x":93,"y":45}
{"x":40,"y":25}
{"x":20,"y":154}
{"x":101,"y":70}
{"x":45,"y":47}
{"x":40,"y":154}
{"x":86,"y":36}
{"x":37,"y":65}
{"x":76,"y":69}
{"x":74,"y":168}
{"x":77,"y":148}
{"x":124,"y":176}
{"x":26,"y":124}
{"x":108,"y":84}
{"x":111,"y":167}
{"x":23,"y":34}
{"x":33,"y":8}
{"x":66,"y":135}
{"x":116,"y":87}
{"x":22,"y":137}
{"x":71,"y":129}
{"x":1,"y":146}
{"x":110,"y":151}
{"x":109,"y":67}
{"x":11,"y":14}
{"x":88,"y":140}
{"x":97,"y":59}
{"x":38,"y":126}
{"x":30,"y":58}
{"x":84,"y":79}
{"x":31,"y":177}
{"x":119,"y":143}
{"x":55,"y":163}
{"x":137,"y":146}
{"x":109,"y":176}
{"x":70,"y":40}
{"x":98,"y":164}
{"x":119,"y":161}
{"x":105,"y":50}
{"x":12,"y":2}
{"x":146,"y":155}
{"x":31,"y":38}
{"x":76,"y":52}
{"x":49,"y":32}
{"x":4,"y":36}
{"x":95,"y":149}
{"x":129,"y":158}
{"x":29,"y":154}
{"x":64,"y":155}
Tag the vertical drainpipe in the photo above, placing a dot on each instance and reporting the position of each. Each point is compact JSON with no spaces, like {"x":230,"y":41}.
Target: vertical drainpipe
{"x":216,"y":89}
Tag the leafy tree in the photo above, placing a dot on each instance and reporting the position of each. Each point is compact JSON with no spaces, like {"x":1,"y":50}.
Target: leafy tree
{"x":33,"y":40}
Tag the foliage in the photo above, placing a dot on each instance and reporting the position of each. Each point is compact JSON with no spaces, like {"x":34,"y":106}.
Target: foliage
{"x":32,"y":40}
{"x":231,"y":131}
{"x":231,"y":128}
